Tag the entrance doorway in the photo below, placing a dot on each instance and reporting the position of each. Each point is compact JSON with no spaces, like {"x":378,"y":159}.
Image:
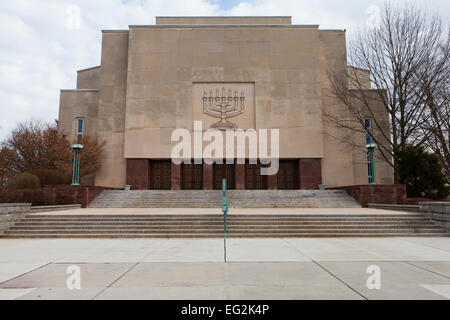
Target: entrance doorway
{"x":253,"y":178}
{"x":160,"y":174}
{"x":224,"y":171}
{"x":192,"y":176}
{"x":288,"y":178}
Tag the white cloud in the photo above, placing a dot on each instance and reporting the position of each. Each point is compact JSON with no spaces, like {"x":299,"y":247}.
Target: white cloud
{"x":40,"y":50}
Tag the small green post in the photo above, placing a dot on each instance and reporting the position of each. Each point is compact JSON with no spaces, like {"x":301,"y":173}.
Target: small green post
{"x":76,"y":164}
{"x":225,"y":212}
{"x":224,"y":204}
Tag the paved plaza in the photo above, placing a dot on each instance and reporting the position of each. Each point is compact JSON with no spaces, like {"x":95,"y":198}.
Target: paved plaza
{"x":309,"y":268}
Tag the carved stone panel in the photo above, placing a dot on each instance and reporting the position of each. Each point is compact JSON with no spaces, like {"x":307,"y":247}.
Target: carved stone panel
{"x":224,"y":105}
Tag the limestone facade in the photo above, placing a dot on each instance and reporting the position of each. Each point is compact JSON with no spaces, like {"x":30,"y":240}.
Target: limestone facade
{"x":152,"y":80}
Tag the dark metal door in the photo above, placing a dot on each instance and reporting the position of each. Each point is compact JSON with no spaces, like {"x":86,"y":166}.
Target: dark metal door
{"x":160,"y":174}
{"x":192,"y":176}
{"x":224,"y":171}
{"x":288,"y":175}
{"x":253,"y":178}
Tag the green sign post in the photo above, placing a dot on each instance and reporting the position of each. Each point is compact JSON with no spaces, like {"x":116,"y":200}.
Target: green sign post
{"x":224,"y":204}
{"x":76,"y":164}
{"x":225,"y":212}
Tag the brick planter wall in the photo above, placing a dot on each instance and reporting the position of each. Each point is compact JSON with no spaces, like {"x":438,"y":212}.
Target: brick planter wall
{"x":379,"y":194}
{"x":84,"y":195}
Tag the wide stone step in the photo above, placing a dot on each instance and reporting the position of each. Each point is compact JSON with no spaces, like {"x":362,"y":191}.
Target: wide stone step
{"x":230,"y":216}
{"x":231,"y":224}
{"x":268,"y":229}
{"x":211,"y":226}
{"x":219,"y":220}
{"x":230,"y":221}
{"x":212,"y":198}
{"x":190,"y":235}
{"x":219,"y":227}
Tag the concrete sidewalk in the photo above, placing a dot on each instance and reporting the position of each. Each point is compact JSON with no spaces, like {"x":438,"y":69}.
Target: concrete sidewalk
{"x":330,"y":268}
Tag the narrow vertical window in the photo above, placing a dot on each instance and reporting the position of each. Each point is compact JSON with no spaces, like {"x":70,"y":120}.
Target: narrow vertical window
{"x":80,"y":128}
{"x":368,"y":131}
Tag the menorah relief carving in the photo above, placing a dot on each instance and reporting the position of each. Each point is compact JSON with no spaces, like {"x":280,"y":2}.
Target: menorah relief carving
{"x":223,"y":106}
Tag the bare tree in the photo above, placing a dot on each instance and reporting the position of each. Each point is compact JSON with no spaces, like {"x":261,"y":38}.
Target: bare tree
{"x":36,"y":145}
{"x":433,"y":80}
{"x":393,"y":53}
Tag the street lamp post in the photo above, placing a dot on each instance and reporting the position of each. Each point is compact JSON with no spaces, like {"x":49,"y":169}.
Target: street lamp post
{"x":371,"y":162}
{"x":370,"y":147}
{"x":76,"y":164}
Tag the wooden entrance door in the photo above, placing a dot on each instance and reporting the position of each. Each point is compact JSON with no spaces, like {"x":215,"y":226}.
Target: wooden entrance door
{"x":160,"y":174}
{"x":287,"y":177}
{"x":253,"y":178}
{"x":192,"y":176}
{"x":224,"y":171}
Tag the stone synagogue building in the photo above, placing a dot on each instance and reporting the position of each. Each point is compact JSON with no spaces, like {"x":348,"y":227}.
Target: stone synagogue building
{"x":154,"y":79}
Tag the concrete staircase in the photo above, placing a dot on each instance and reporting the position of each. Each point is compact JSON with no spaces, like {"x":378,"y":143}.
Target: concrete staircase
{"x":213,"y":199}
{"x":211,"y":226}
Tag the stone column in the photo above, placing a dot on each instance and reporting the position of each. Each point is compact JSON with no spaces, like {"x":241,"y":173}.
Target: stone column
{"x":240,"y":176}
{"x":208,"y":176}
{"x":175,"y":176}
{"x":137,"y":174}
{"x":310,"y":173}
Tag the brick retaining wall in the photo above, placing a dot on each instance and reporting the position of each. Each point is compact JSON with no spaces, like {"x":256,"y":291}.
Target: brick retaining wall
{"x":381,"y":194}
{"x":63,"y":195}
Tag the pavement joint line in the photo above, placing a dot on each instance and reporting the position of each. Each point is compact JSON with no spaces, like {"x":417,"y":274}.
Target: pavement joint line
{"x":25,"y":273}
{"x":423,"y":245}
{"x":423,"y":268}
{"x":326,"y":270}
{"x":296,"y":249}
{"x":112,"y":283}
{"x":225,"y":249}
{"x":342,"y":281}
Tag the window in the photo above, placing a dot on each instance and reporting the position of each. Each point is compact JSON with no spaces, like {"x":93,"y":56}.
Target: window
{"x":368,"y":131}
{"x":80,"y":128}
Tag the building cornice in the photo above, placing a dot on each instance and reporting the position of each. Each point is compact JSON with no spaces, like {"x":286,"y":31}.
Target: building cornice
{"x":183,"y":17}
{"x":87,"y":69}
{"x":192,"y":26}
{"x":80,"y":90}
{"x":115,"y":31}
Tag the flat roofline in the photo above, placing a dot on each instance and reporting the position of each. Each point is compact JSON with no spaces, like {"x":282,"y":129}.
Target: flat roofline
{"x":341,"y":30}
{"x":316,"y":26}
{"x":367,"y":89}
{"x":87,"y":69}
{"x":350,"y":66}
{"x":80,"y":90}
{"x":223,"y":16}
{"x":115,"y":31}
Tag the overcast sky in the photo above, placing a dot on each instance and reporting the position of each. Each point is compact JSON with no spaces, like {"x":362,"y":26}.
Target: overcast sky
{"x":44,"y":42}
